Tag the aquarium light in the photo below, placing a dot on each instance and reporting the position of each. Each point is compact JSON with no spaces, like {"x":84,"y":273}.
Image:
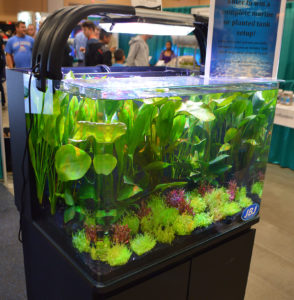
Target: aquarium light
{"x":146,"y":28}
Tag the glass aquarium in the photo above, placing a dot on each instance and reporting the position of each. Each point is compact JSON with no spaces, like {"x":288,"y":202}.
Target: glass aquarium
{"x":131,"y":169}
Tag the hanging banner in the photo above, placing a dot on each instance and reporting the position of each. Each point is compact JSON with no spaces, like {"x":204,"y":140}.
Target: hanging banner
{"x":244,"y":38}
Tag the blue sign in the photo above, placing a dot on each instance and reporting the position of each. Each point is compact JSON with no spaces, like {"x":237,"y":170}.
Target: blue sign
{"x":250,"y":212}
{"x":244,"y":41}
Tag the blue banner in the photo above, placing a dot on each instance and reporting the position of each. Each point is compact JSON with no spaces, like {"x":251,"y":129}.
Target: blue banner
{"x":244,"y":38}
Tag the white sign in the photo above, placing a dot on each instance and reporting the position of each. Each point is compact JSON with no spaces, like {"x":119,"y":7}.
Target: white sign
{"x":147,"y":3}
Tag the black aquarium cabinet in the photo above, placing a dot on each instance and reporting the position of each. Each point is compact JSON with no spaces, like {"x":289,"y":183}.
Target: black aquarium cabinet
{"x":135,"y":183}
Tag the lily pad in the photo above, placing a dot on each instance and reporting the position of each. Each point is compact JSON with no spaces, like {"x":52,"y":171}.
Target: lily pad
{"x":71,"y":163}
{"x":104,"y":163}
{"x":103,"y":133}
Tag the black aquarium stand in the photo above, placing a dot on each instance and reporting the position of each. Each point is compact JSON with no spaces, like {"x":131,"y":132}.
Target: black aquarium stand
{"x":216,"y":269}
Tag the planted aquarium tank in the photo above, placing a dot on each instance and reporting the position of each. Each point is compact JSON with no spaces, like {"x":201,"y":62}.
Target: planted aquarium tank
{"x":131,"y":169}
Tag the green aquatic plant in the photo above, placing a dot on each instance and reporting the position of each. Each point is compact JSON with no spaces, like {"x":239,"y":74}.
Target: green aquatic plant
{"x":216,"y":198}
{"x":80,"y":241}
{"x":133,"y":223}
{"x":242,"y":198}
{"x":230,"y":209}
{"x":118,"y":255}
{"x":164,"y":234}
{"x":197,"y":203}
{"x":143,"y":243}
{"x":203,"y":219}
{"x":99,"y":252}
{"x":147,"y":224}
{"x":257,"y":188}
{"x":184,"y":224}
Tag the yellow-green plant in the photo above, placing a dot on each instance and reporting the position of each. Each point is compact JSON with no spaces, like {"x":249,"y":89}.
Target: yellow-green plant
{"x":143,"y":243}
{"x":184,"y":224}
{"x":164,"y":234}
{"x":118,"y":255}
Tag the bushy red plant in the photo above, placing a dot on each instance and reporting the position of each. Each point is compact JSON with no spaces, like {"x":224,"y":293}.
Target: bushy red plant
{"x":176,"y":198}
{"x":91,"y":233}
{"x":143,"y":211}
{"x":121,"y":234}
{"x":204,"y":188}
{"x":232,"y":189}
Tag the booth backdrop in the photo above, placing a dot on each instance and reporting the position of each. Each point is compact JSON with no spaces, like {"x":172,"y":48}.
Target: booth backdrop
{"x":282,"y":145}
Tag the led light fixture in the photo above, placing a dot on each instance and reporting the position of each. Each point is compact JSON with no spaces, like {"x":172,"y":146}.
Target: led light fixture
{"x":146,"y":28}
{"x":151,"y":22}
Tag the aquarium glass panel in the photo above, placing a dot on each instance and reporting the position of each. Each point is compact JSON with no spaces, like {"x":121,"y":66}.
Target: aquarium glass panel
{"x":132,"y":169}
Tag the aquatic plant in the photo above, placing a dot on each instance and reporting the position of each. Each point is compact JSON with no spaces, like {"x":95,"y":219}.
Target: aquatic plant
{"x":205,"y":188}
{"x":164,"y":234}
{"x":91,"y":233}
{"x":147,"y":224}
{"x":121,"y":234}
{"x":99,"y":252}
{"x":118,"y":255}
{"x":257,"y":188}
{"x":215,"y":198}
{"x":177,"y":199}
{"x":80,"y":241}
{"x":133,"y":222}
{"x":144,"y":210}
{"x":232,"y":189}
{"x":230,"y":209}
{"x":173,"y":197}
{"x":197,"y":203}
{"x":242,"y":198}
{"x":184,"y":224}
{"x":142,"y":243}
{"x":203,"y":220}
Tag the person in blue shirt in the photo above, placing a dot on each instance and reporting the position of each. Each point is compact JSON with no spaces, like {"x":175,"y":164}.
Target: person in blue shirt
{"x":19,"y":48}
{"x":80,"y":41}
{"x":119,"y":57}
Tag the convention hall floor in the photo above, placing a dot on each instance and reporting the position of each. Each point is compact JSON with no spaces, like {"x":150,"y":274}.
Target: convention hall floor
{"x":272,"y":268}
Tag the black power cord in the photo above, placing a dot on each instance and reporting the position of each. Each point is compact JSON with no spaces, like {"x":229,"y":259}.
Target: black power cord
{"x":22,"y":206}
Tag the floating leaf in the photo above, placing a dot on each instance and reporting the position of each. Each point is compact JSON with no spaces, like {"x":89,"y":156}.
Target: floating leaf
{"x":198,"y":110}
{"x":156,"y":165}
{"x":71,"y":163}
{"x":128,"y":191}
{"x":165,"y":186}
{"x":102,"y":132}
{"x":69,"y":214}
{"x":230,"y":134}
{"x":225,"y":147}
{"x":104,"y":163}
{"x":218,"y":159}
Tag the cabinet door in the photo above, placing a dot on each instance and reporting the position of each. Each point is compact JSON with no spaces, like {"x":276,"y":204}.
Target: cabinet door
{"x":169,"y":285}
{"x":221,"y":273}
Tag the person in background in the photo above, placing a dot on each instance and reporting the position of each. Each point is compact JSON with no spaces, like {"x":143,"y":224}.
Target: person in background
{"x":92,"y":55}
{"x":104,"y":39}
{"x":139,"y":51}
{"x":80,"y":43}
{"x":31,"y":31}
{"x":19,"y":48}
{"x":119,"y":57}
{"x":2,"y":70}
{"x":167,"y":54}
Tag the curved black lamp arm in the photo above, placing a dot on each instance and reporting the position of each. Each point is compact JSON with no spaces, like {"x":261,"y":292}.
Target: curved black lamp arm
{"x":52,"y":37}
